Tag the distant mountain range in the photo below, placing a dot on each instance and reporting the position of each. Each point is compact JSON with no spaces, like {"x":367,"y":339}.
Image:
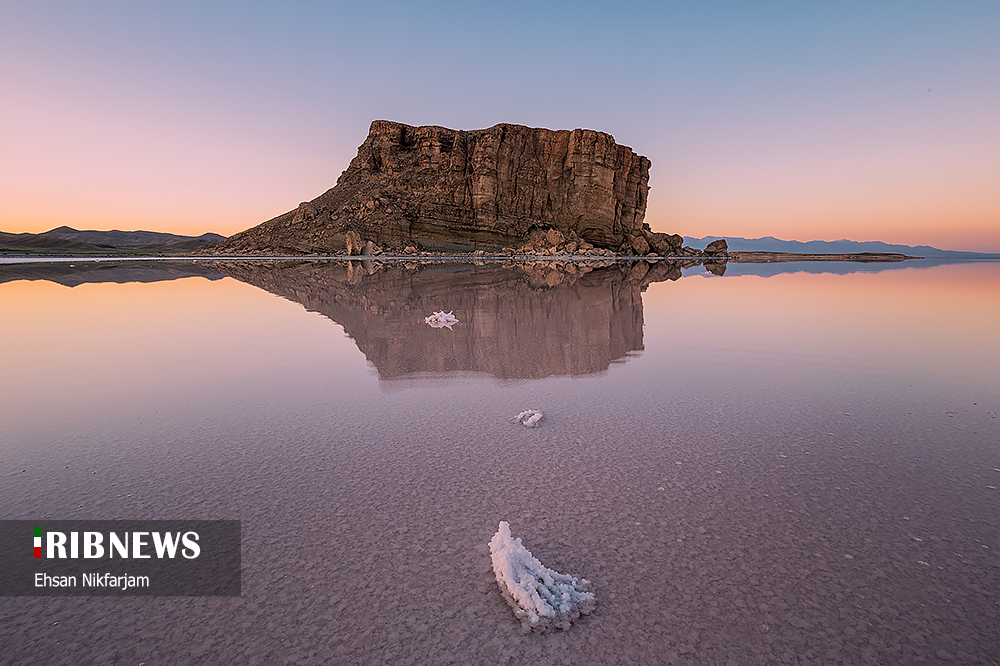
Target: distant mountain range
{"x":66,"y":240}
{"x":772,"y":244}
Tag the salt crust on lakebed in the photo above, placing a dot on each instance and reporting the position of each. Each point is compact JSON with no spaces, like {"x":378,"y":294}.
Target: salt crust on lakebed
{"x":541,"y":598}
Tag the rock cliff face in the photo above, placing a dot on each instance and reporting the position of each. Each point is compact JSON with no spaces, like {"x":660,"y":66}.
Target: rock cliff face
{"x":441,"y":189}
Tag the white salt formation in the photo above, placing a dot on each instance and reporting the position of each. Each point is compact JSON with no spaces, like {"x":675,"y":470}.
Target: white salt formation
{"x":441,"y":319}
{"x":541,"y":598}
{"x":529,"y":418}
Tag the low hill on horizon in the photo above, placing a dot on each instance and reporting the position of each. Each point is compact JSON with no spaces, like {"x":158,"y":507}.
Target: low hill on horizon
{"x":67,"y":240}
{"x":117,"y":238}
{"x":772,"y":244}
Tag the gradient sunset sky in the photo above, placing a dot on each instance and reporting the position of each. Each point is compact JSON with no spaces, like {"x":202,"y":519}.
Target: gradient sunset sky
{"x":801,"y":120}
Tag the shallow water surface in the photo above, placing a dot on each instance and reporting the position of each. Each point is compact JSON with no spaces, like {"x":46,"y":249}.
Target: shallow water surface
{"x":797,"y":468}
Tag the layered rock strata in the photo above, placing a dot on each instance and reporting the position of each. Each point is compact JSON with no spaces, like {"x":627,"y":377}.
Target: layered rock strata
{"x":436,"y":189}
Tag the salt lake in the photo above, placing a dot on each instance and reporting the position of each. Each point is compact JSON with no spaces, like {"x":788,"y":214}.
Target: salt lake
{"x":778,"y":464}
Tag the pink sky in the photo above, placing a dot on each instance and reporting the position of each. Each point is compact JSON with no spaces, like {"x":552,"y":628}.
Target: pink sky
{"x":807,"y":124}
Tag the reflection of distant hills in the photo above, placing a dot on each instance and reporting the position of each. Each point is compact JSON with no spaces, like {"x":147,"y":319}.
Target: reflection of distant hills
{"x":835,"y":267}
{"x":73,"y":274}
{"x":515,"y":321}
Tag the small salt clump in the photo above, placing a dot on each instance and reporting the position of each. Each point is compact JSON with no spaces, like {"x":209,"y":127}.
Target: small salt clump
{"x":441,"y":319}
{"x":541,"y":598}
{"x":529,"y":418}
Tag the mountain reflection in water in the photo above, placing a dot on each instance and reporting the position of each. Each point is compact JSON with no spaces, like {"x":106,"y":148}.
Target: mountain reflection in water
{"x":88,"y":271}
{"x":516,"y":321}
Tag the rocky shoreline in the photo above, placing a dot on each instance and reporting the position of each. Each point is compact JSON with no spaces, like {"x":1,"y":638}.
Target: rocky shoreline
{"x":718,"y":255}
{"x":540,"y":244}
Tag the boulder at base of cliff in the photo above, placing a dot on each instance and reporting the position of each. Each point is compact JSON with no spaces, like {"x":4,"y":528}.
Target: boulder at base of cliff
{"x":717,"y":248}
{"x":352,"y":243}
{"x":665,"y":245}
{"x":639,"y":245}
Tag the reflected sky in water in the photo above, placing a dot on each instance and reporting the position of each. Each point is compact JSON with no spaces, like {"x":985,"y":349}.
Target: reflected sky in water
{"x":185,"y":341}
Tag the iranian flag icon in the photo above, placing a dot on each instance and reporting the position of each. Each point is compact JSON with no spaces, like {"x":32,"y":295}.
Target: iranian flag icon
{"x":38,"y":542}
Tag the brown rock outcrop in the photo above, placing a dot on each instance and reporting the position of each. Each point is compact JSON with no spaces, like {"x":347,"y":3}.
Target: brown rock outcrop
{"x":665,"y":245}
{"x":639,"y":245}
{"x":442,"y":189}
{"x":717,"y":248}
{"x":352,"y":243}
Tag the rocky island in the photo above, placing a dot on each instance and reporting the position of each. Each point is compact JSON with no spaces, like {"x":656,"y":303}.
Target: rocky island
{"x":506,"y":189}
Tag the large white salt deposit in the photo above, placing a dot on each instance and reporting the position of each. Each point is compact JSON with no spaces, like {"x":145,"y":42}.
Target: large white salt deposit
{"x":541,"y":598}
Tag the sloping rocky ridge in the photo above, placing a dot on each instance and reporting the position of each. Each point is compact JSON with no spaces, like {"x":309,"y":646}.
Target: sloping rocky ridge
{"x":521,"y":321}
{"x":435,"y":188}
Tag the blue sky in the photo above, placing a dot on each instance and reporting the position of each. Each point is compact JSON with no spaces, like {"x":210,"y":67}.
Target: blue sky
{"x":798,"y":120}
